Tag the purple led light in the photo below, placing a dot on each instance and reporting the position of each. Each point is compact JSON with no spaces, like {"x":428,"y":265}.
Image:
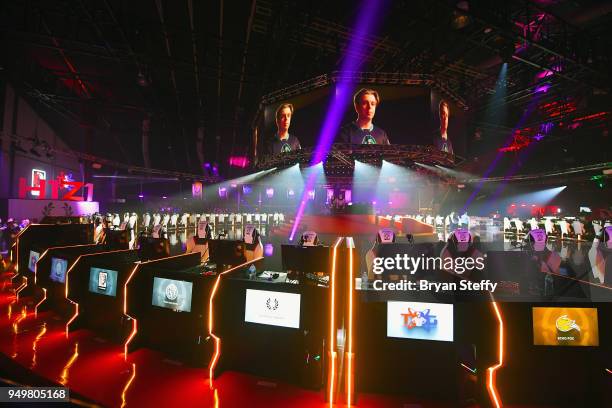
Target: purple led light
{"x":270,"y":192}
{"x":140,"y":195}
{"x":268,"y":250}
{"x":368,"y":10}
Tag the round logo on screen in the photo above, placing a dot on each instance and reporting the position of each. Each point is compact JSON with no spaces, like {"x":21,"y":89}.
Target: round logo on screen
{"x":565,"y":324}
{"x":368,"y":139}
{"x":171,"y":292}
{"x":272,"y":304}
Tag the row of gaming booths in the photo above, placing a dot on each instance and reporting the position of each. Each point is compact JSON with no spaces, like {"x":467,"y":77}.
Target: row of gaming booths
{"x":317,"y":321}
{"x":566,"y":228}
{"x":177,"y":221}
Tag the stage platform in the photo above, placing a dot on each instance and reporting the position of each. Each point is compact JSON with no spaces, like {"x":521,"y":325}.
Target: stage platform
{"x":356,"y":224}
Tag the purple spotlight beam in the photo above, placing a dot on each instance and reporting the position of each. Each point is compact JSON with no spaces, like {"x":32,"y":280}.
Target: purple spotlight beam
{"x":368,"y":11}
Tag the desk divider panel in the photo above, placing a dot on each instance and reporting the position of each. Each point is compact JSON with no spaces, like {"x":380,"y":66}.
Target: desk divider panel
{"x":173,"y":319}
{"x":51,"y":276}
{"x":96,"y":283}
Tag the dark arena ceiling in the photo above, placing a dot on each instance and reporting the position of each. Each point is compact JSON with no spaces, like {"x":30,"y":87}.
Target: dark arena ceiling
{"x":96,"y":69}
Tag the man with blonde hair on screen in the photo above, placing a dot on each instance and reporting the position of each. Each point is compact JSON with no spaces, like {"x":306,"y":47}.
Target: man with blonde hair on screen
{"x":283,"y":141}
{"x":362,"y":130}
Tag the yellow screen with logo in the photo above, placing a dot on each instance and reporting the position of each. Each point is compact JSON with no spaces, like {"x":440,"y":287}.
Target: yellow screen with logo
{"x":565,"y":326}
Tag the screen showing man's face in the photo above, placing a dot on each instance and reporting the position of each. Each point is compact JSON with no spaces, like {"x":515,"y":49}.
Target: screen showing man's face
{"x":366,"y":107}
{"x":283,"y":121}
{"x":444,"y":113}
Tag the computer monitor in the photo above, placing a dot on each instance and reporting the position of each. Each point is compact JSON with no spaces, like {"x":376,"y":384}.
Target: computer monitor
{"x":226,"y":252}
{"x":153,"y":248}
{"x":32,"y":260}
{"x":103,"y":281}
{"x":272,"y":308}
{"x":58,"y":270}
{"x":310,"y":259}
{"x":117,"y":239}
{"x":420,"y":321}
{"x":565,"y":326}
{"x":172,"y":294}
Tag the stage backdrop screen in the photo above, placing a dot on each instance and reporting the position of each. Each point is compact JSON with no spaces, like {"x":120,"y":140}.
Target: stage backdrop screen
{"x":32,"y":260}
{"x":103,"y":281}
{"x":308,"y":116}
{"x":272,"y":308}
{"x":408,"y":114}
{"x":565,"y":326}
{"x":58,"y":270}
{"x":172,"y":294}
{"x":419,"y":320}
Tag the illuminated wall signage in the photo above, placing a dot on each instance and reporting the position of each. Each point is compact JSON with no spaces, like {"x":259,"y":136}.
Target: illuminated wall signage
{"x":272,"y":308}
{"x":69,"y":189}
{"x":37,"y":177}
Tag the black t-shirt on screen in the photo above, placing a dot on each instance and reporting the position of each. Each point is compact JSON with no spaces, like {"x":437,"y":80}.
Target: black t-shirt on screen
{"x":290,"y":144}
{"x":351,"y":133}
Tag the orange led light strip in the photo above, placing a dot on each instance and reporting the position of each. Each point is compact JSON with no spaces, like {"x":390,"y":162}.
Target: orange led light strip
{"x":350,"y":382}
{"x":36,"y":265}
{"x":24,"y":283}
{"x":127,"y":386}
{"x":64,"y":377}
{"x":41,"y":302}
{"x":22,"y":316}
{"x":125,"y":312}
{"x":17,"y":238}
{"x":491,"y":386}
{"x":332,"y":323}
{"x":35,"y":344}
{"x":215,"y":358}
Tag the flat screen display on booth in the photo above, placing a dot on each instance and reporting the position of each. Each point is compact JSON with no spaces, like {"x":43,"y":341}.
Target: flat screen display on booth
{"x":32,"y":260}
{"x":103,"y":281}
{"x":58,"y":270}
{"x":172,"y":294}
{"x":419,"y":320}
{"x":272,"y":308}
{"x":565,"y":326}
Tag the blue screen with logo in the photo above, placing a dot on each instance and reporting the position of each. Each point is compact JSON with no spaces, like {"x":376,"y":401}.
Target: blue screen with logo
{"x":172,"y":294}
{"x":58,"y":270}
{"x":103,"y":281}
